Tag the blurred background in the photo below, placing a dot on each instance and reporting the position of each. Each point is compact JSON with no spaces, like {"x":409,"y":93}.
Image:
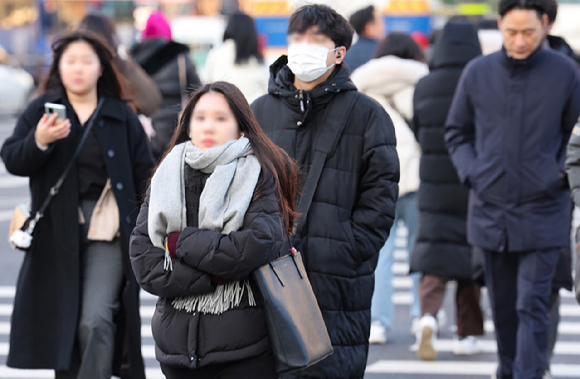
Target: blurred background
{"x":28,"y":26}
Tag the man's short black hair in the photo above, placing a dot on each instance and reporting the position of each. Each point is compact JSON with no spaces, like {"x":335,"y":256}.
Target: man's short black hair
{"x":329,"y":22}
{"x":361,"y":18}
{"x":551,"y":10}
{"x":504,"y":6}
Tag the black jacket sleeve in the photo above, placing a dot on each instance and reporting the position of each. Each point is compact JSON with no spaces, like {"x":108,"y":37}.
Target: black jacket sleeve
{"x":148,"y":266}
{"x":235,"y":256}
{"x":141,"y":155}
{"x":20,"y":154}
{"x":460,"y":131}
{"x":374,"y":212}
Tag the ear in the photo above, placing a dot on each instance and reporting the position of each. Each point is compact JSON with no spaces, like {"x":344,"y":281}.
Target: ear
{"x":499,"y":22}
{"x":546,"y":22}
{"x":340,"y":54}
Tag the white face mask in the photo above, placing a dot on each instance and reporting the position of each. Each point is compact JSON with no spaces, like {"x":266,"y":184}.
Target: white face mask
{"x":308,"y":61}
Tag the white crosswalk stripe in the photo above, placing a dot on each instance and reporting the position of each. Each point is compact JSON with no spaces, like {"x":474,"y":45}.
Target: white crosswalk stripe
{"x":565,"y":363}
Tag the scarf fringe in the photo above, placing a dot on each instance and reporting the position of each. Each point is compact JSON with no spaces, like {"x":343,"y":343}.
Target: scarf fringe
{"x":168,"y":264}
{"x":225,"y":297}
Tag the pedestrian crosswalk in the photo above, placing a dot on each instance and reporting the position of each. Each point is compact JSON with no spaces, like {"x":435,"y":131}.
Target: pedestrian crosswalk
{"x":393,"y":360}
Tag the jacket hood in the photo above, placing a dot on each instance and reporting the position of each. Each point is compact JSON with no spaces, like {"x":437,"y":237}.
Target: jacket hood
{"x":388,"y":75}
{"x":281,"y":81}
{"x":456,"y":46}
{"x":560,"y":44}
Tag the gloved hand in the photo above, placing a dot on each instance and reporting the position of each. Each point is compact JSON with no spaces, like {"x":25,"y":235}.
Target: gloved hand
{"x":171,"y":244}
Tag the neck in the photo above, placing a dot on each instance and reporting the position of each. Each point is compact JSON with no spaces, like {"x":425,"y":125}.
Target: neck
{"x":89,"y":98}
{"x":303,"y":86}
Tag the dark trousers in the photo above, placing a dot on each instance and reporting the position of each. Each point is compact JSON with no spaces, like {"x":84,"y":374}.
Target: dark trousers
{"x":469,"y":315}
{"x":260,"y":367}
{"x":519,"y":287}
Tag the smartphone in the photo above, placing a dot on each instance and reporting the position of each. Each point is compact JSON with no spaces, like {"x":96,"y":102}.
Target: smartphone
{"x":51,"y":108}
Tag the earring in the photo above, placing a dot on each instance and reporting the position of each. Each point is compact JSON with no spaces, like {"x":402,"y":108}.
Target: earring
{"x":242,"y":135}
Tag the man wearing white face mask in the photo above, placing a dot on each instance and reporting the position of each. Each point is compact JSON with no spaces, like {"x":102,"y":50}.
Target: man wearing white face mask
{"x":315,"y":113}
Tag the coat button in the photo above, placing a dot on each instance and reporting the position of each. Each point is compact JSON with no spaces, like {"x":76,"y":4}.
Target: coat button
{"x":101,"y":123}
{"x":192,"y":359}
{"x":120,"y":186}
{"x":299,"y":123}
{"x":111,"y":153}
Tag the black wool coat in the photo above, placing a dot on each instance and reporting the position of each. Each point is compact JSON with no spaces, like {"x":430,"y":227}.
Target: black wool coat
{"x":193,"y":340}
{"x":48,"y":293}
{"x":352,"y":210}
{"x":441,"y":248}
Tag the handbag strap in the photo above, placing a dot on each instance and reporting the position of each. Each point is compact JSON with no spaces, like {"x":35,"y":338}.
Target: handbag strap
{"x":325,"y":144}
{"x":182,"y":79}
{"x":54,"y":190}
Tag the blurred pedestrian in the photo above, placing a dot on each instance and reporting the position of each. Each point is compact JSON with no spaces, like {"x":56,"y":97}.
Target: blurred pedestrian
{"x":506,"y":132}
{"x":237,"y":193}
{"x":555,"y":42}
{"x":390,"y":78}
{"x":139,"y":85}
{"x":76,"y":308}
{"x":442,"y":252}
{"x":573,"y":170}
{"x":490,"y":38}
{"x":238,"y":60}
{"x":370,"y":28}
{"x":311,"y":98}
{"x":169,"y":65}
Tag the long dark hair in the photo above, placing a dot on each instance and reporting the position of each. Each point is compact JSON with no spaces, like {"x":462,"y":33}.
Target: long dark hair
{"x":279,"y":172}
{"x":109,"y":84}
{"x":242,"y":30}
{"x":400,"y":45}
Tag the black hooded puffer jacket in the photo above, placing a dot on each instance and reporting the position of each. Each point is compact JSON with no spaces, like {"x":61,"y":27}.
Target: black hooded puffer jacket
{"x":352,"y":210}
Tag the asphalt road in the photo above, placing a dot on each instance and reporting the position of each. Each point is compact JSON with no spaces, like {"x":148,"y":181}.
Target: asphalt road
{"x":393,"y":360}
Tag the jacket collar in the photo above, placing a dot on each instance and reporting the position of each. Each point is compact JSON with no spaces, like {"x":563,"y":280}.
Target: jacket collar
{"x":112,"y":108}
{"x":530,"y":61}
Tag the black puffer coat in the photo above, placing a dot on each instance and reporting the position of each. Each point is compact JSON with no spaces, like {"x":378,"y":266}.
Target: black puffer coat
{"x":193,"y":340}
{"x":442,"y":248}
{"x":159,"y":59}
{"x":352,"y":210}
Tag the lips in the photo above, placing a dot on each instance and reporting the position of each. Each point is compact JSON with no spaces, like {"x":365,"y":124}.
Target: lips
{"x":208,"y":142}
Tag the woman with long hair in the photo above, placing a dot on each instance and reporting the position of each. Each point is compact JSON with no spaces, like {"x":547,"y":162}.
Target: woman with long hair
{"x":390,"y":78}
{"x":220,"y":205}
{"x":140,"y":86}
{"x":238,"y":60}
{"x":76,"y":308}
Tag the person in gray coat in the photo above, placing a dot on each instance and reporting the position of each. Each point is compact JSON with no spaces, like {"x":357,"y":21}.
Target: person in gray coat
{"x":573,"y":171}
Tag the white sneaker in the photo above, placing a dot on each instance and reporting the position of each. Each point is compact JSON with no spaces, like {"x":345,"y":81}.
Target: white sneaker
{"x":378,"y":333}
{"x":466,"y":346}
{"x":426,"y":338}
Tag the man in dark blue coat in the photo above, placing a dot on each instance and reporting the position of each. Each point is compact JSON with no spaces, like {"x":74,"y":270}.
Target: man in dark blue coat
{"x":506,"y":133}
{"x":370,"y":28}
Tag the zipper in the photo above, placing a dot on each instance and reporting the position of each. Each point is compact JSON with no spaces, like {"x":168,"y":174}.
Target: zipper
{"x":301,"y":97}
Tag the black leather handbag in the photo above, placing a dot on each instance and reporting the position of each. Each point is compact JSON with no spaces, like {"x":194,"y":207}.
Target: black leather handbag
{"x":298,"y":334}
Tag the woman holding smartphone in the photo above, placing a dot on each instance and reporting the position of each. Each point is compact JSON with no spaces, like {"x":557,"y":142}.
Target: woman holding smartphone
{"x":76,"y":308}
{"x":220,"y":205}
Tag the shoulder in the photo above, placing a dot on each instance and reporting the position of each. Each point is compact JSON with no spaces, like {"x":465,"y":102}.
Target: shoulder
{"x":560,"y":61}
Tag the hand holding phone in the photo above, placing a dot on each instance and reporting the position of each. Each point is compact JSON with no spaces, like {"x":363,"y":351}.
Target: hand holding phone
{"x":53,"y":125}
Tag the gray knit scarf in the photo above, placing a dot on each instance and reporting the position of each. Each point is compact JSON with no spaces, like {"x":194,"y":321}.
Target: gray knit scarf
{"x":223,"y":203}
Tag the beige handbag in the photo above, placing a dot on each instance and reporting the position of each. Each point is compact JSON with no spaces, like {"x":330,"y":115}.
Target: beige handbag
{"x":19,"y":217}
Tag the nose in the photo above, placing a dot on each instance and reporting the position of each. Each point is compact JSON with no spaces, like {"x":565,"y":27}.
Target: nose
{"x":520,"y":40}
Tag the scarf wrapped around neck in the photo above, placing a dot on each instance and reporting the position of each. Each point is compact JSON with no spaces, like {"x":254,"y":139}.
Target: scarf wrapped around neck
{"x":234,"y":172}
